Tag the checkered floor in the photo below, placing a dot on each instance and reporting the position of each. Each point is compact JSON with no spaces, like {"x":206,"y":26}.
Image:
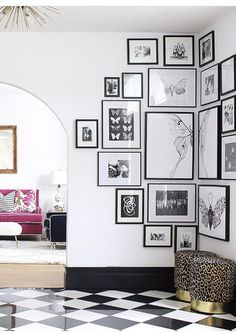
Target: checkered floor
{"x":43,"y":310}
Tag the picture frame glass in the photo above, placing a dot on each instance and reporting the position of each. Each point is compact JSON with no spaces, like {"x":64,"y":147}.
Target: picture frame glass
{"x":86,"y":133}
{"x":206,"y":49}
{"x":132,"y":85}
{"x":142,"y":51}
{"x":228,"y":161}
{"x":178,"y":50}
{"x":158,"y":236}
{"x":209,"y":85}
{"x":129,"y":206}
{"x":227,"y":75}
{"x":185,"y":238}
{"x":228,"y":114}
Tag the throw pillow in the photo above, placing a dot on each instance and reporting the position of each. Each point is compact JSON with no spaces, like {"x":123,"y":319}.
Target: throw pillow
{"x":7,"y":202}
{"x":25,"y":202}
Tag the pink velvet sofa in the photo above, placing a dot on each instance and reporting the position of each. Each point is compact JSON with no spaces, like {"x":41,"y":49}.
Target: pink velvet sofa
{"x":31,"y":222}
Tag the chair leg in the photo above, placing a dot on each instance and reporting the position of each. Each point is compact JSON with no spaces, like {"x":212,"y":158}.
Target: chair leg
{"x":16,"y":241}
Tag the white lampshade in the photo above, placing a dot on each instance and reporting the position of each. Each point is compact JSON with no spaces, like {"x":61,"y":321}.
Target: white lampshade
{"x":58,"y":177}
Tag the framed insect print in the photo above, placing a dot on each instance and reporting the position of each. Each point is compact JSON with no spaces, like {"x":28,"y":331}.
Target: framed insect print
{"x":169,"y":145}
{"x":178,"y":50}
{"x":157,"y":236}
{"x":142,"y":51}
{"x":121,"y":124}
{"x":228,"y":161}
{"x":169,"y":87}
{"x":228,"y":110}
{"x":213,"y":206}
{"x":132,"y":85}
{"x":111,"y":86}
{"x":185,"y":238}
{"x":171,"y":203}
{"x":209,"y":85}
{"x":228,"y":78}
{"x":129,"y":206}
{"x":209,"y":149}
{"x":207,"y":49}
{"x":86,"y":133}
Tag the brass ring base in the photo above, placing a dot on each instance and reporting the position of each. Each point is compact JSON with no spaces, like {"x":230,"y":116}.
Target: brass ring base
{"x":209,"y":307}
{"x":183,"y":295}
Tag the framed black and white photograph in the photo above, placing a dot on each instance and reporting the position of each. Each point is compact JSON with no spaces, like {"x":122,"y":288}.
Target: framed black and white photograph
{"x":171,"y":203}
{"x":142,"y":51}
{"x":157,"y":236}
{"x":119,"y":168}
{"x":172,"y":87}
{"x":228,"y":109}
{"x":111,"y":87}
{"x":227,"y":72}
{"x":228,"y":161}
{"x":132,"y":85}
{"x":129,"y":206}
{"x":185,"y":238}
{"x":213,"y":214}
{"x":86,"y":133}
{"x":121,"y":124}
{"x":178,"y":50}
{"x":209,"y":85}
{"x":169,"y":140}
{"x":207,"y":49}
{"x":209,"y":143}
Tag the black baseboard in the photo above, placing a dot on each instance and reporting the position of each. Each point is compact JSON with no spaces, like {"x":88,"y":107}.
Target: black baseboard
{"x":120,"y":278}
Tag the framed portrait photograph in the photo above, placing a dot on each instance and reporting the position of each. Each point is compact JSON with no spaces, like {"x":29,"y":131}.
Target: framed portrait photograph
{"x":228,"y":107}
{"x":178,"y":50}
{"x":86,"y":133}
{"x":111,"y":87}
{"x":132,"y":85}
{"x":121,"y":124}
{"x":142,"y":51}
{"x":171,"y":203}
{"x":206,"y":49}
{"x":157,"y":236}
{"x":213,"y":214}
{"x":169,"y":140}
{"x":209,"y":149}
{"x":119,"y":168}
{"x":129,"y":206}
{"x":172,"y":87}
{"x":228,"y":78}
{"x":185,"y":238}
{"x":228,"y":161}
{"x":209,"y":85}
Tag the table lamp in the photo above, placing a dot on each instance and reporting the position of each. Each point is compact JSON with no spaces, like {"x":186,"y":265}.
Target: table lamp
{"x":58,"y":177}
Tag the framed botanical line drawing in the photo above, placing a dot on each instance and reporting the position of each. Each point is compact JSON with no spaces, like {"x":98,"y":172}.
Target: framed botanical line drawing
{"x":132,"y":85}
{"x":121,"y":124}
{"x":86,"y":133}
{"x":209,"y":144}
{"x":178,"y":50}
{"x":207,"y":49}
{"x":228,"y":112}
{"x":227,"y":72}
{"x":185,"y":238}
{"x":8,"y":149}
{"x":157,"y":236}
{"x":111,"y":87}
{"x":228,"y":161}
{"x":119,"y":168}
{"x":209,"y":85}
{"x":169,"y":145}
{"x":171,"y":87}
{"x":129,"y":206}
{"x":213,"y":206}
{"x":171,"y":203}
{"x":142,"y":51}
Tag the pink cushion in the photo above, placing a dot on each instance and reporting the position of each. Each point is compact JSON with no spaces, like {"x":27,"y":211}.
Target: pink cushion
{"x":6,"y":191}
{"x":25,"y":202}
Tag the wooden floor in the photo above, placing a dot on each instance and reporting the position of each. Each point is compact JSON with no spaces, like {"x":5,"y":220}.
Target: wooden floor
{"x":32,"y":276}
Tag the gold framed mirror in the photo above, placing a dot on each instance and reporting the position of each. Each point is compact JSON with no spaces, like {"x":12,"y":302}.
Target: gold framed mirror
{"x":8,"y":149}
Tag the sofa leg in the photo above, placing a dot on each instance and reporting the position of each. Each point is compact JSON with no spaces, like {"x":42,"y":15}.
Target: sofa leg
{"x":39,"y":237}
{"x":16,"y":241}
{"x":53,"y":246}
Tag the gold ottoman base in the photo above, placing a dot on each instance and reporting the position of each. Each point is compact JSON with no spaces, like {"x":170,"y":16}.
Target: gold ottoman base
{"x":183,"y":295}
{"x":209,"y":307}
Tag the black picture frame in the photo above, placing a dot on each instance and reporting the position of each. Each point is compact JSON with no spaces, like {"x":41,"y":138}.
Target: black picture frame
{"x":178,"y":50}
{"x":210,"y":199}
{"x":129,"y":206}
{"x":132,"y":85}
{"x":210,"y":85}
{"x":86,"y":133}
{"x":228,"y":114}
{"x":111,"y":86}
{"x":206,"y":47}
{"x":227,"y":75}
{"x":228,"y":160}
{"x":142,"y":51}
{"x":185,"y":237}
{"x":157,"y":236}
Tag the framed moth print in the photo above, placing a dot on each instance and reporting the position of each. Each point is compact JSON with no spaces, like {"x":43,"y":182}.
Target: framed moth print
{"x":142,"y":51}
{"x":228,"y":78}
{"x":121,"y":124}
{"x":129,"y":206}
{"x":132,"y":85}
{"x":86,"y":133}
{"x":171,"y":202}
{"x":228,"y":107}
{"x":209,"y":144}
{"x":185,"y":238}
{"x":207,"y":49}
{"x":169,"y":87}
{"x":209,"y":85}
{"x":213,"y":206}
{"x":178,"y":50}
{"x":111,"y":86}
{"x":158,"y":236}
{"x":169,"y":145}
{"x":119,"y":168}
{"x":228,"y":161}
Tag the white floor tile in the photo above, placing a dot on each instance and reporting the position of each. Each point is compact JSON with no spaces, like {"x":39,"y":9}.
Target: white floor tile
{"x":79,"y":304}
{"x":85,"y":315}
{"x":31,"y":303}
{"x":29,"y":293}
{"x":146,"y":328}
{"x":92,"y":328}
{"x":135,"y":315}
{"x":115,"y":293}
{"x":185,"y":316}
{"x":157,"y":294}
{"x":197,"y":328}
{"x":72,"y":293}
{"x":33,"y":315}
{"x":124,"y":304}
{"x":168,"y":303}
{"x":36,"y":327}
{"x":226,"y":316}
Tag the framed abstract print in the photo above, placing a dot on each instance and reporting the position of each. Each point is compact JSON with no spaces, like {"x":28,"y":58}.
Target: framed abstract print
{"x":178,"y":50}
{"x":132,"y":85}
{"x":142,"y":51}
{"x":209,"y":143}
{"x":185,"y":238}
{"x":209,"y":85}
{"x":213,"y":211}
{"x":171,"y":87}
{"x":129,"y":206}
{"x":157,"y":236}
{"x":169,"y":145}
{"x":86,"y":133}
{"x":227,"y":72}
{"x":228,"y":112}
{"x":121,"y":124}
{"x":207,"y":49}
{"x":111,"y":87}
{"x":228,"y":160}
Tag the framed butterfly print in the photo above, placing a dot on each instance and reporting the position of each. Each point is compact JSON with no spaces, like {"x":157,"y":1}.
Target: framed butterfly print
{"x":213,"y":214}
{"x":169,"y":145}
{"x":209,"y":85}
{"x":121,"y":124}
{"x":172,"y":87}
{"x":228,"y":161}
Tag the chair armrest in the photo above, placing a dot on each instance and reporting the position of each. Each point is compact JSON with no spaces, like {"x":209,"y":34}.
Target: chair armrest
{"x":46,"y":223}
{"x":38,"y":210}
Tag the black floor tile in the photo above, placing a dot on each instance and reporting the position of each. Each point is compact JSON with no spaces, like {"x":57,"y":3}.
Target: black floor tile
{"x":97,"y":298}
{"x":218,"y":322}
{"x":9,"y":309}
{"x":113,"y":322}
{"x":152,"y":309}
{"x":106,"y":309}
{"x":57,"y":308}
{"x":165,"y":322}
{"x":51,"y":298}
{"x":62,"y":322}
{"x":142,"y":298}
{"x":10,"y":322}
